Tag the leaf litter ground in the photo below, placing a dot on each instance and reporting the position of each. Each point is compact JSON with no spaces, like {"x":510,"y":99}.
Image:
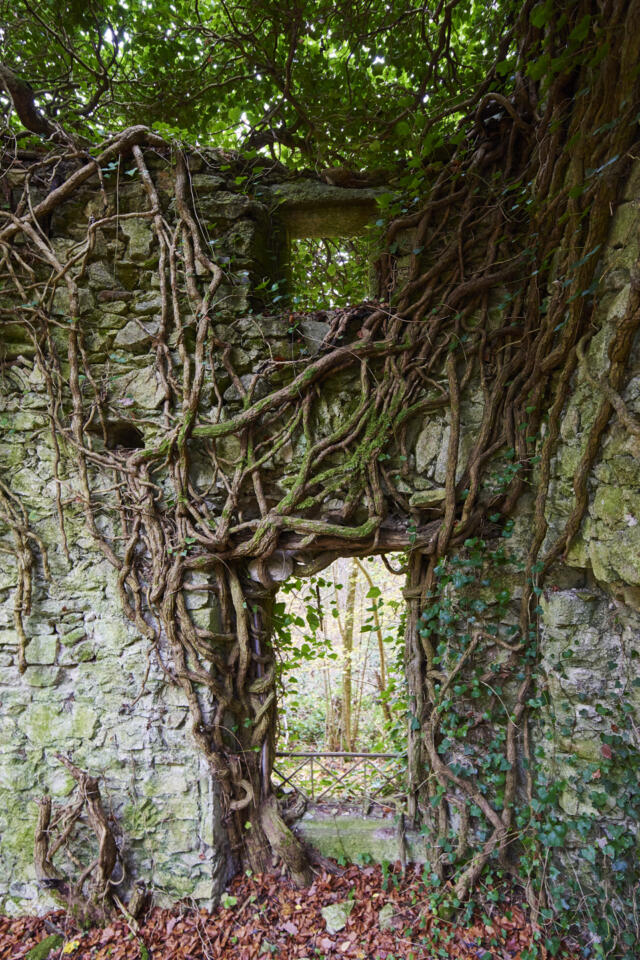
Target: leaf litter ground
{"x":266,"y":916}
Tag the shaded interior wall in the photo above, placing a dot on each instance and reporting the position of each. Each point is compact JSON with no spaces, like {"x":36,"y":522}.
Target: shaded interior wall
{"x":86,"y":664}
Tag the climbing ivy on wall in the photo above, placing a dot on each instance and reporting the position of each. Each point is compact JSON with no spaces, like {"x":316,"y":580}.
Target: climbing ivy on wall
{"x":506,"y":194}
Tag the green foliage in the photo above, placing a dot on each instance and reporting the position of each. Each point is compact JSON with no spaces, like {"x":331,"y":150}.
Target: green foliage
{"x":323,"y":80}
{"x":45,"y":948}
{"x":307,"y":643}
{"x":315,"y":644}
{"x":334,"y":273}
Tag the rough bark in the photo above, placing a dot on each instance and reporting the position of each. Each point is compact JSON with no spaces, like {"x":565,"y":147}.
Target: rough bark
{"x":23,"y":99}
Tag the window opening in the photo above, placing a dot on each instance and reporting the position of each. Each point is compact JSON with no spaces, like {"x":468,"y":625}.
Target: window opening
{"x":329,"y":272}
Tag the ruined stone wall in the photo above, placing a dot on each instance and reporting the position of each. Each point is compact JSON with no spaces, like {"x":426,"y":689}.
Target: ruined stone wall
{"x":92,"y":688}
{"x":591,"y":603}
{"x":86,"y":690}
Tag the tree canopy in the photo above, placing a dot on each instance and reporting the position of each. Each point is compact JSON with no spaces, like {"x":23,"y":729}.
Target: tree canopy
{"x":316,"y":81}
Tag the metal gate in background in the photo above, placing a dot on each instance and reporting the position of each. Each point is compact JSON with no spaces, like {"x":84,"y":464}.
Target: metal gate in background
{"x":348,"y":777}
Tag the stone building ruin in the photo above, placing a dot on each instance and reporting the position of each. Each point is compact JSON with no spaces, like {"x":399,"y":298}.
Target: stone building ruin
{"x":92,"y":688}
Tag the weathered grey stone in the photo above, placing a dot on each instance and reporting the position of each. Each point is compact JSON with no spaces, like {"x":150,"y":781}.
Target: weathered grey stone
{"x":354,"y":837}
{"x":386,"y":916}
{"x":625,"y":220}
{"x":241,"y":243}
{"x":42,"y":650}
{"x":225,"y":207}
{"x":117,"y":299}
{"x":428,"y":498}
{"x":62,"y":304}
{"x":42,"y":676}
{"x":139,"y":390}
{"x":632,"y":185}
{"x":312,"y":209}
{"x":232,"y":393}
{"x":147,"y":306}
{"x":335,"y":916}
{"x":140,"y":236}
{"x":428,"y":445}
{"x":73,"y":636}
{"x":206,"y":183}
{"x":45,"y":724}
{"x":313,"y":332}
{"x":136,"y":336}
{"x":100,"y":276}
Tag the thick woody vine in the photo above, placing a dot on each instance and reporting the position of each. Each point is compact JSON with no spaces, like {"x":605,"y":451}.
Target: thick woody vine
{"x":522,"y":204}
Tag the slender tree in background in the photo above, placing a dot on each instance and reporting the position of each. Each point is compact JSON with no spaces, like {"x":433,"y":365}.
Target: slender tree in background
{"x":346,"y":623}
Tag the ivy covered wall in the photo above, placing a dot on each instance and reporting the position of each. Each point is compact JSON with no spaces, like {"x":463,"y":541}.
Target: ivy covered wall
{"x":93,"y":688}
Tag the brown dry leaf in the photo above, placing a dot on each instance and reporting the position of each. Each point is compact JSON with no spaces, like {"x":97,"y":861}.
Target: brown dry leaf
{"x":265,"y":906}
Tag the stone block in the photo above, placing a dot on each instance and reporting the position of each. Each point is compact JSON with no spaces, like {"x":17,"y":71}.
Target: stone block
{"x":73,"y":636}
{"x":624,"y":225}
{"x":141,"y":387}
{"x":313,"y":333}
{"x":140,"y":236}
{"x":147,"y":306}
{"x":62,"y":304}
{"x":608,"y":504}
{"x":428,"y":498}
{"x":43,"y":676}
{"x":52,"y":724}
{"x":136,"y":336}
{"x":224,"y":207}
{"x":42,"y":650}
{"x":204,"y":184}
{"x":101,"y":277}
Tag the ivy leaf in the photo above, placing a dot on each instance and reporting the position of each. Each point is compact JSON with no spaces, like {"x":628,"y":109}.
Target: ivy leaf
{"x":537,"y":68}
{"x":540,"y":14}
{"x":581,"y":29}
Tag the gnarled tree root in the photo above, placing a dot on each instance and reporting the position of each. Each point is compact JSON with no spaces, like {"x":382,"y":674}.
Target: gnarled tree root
{"x":88,"y":896}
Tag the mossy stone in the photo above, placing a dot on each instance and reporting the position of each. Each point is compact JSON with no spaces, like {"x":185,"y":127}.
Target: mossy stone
{"x":44,"y":949}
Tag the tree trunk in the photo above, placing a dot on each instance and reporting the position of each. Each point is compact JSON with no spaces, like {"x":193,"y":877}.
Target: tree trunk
{"x":262,"y":836}
{"x":258,"y":832}
{"x":381,"y":676}
{"x":346,"y":632}
{"x":413,"y":661}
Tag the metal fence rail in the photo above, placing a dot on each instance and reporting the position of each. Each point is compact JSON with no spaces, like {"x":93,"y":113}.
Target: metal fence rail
{"x":341,"y":775}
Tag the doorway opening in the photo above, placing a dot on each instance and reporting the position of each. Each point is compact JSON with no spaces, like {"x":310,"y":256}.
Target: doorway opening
{"x":342,"y":735}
